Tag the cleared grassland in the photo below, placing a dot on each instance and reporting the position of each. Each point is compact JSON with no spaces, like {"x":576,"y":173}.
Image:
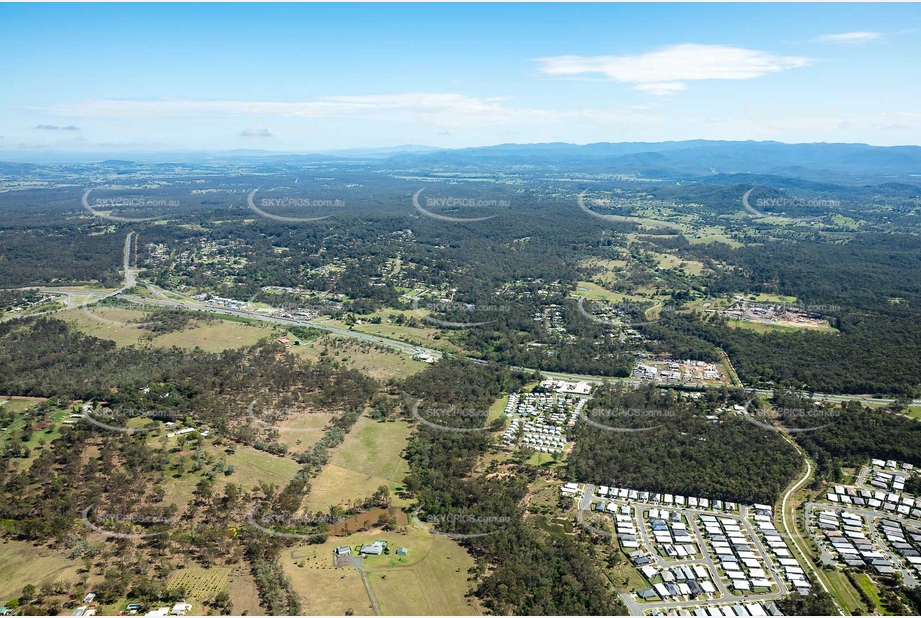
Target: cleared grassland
{"x":375,"y":361}
{"x":869,"y":588}
{"x":21,"y":564}
{"x":430,"y":580}
{"x":42,"y":438}
{"x":329,"y":591}
{"x":115,"y":324}
{"x":244,"y":594}
{"x":338,"y":485}
{"x":441,"y":576}
{"x":254,"y":467}
{"x":673,"y":262}
{"x":112,"y":323}
{"x":593,"y":291}
{"x":610,"y":268}
{"x":370,"y":456}
{"x":251,"y":468}
{"x":301,"y":431}
{"x":497,"y":410}
{"x":706,"y":235}
{"x":842,"y":590}
{"x":775,"y":298}
{"x":216,"y":337}
{"x":18,"y":405}
{"x":375,"y":448}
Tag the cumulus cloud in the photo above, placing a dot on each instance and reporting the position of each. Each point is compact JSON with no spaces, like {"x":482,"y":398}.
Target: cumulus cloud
{"x":255,"y":133}
{"x":54,"y":127}
{"x":852,"y":38}
{"x":666,"y":70}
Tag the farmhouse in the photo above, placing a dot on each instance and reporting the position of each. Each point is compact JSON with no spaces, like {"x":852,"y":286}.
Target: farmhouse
{"x":181,"y":609}
{"x":374,"y":549}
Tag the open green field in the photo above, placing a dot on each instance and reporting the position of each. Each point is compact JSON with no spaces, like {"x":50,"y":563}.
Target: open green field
{"x":38,"y":440}
{"x":251,"y":468}
{"x":431,"y":579}
{"x":375,"y":448}
{"x":114,"y":323}
{"x":107,"y":323}
{"x":328,"y":591}
{"x":844,"y":592}
{"x":497,"y":410}
{"x":774,"y":298}
{"x":708,"y":304}
{"x":593,"y":291}
{"x":301,"y":431}
{"x":545,"y":460}
{"x":338,"y":485}
{"x":376,"y":361}
{"x":710,"y":234}
{"x":370,"y":456}
{"x":18,"y":404}
{"x":674,"y":262}
{"x":625,"y":577}
{"x":254,"y":467}
{"x":646,"y":223}
{"x":869,"y":588}
{"x":39,"y":437}
{"x":218,"y":336}
{"x":22,"y":563}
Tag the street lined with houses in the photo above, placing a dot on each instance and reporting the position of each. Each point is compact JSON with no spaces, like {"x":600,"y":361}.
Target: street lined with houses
{"x":695,"y":553}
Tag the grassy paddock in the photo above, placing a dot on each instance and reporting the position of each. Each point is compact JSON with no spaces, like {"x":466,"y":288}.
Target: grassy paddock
{"x":430,"y":580}
{"x":22,"y":563}
{"x":373,"y":360}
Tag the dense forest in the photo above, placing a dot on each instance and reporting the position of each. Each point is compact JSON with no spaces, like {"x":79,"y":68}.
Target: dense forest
{"x":676,"y":450}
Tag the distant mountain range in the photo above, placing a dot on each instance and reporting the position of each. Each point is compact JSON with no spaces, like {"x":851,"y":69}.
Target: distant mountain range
{"x":698,"y":159}
{"x":687,"y":160}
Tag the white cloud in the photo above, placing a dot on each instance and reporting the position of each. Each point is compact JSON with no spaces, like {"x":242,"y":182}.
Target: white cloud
{"x":446,"y":112}
{"x":424,"y":104}
{"x":853,"y":38}
{"x":662,"y":89}
{"x":664,"y":71}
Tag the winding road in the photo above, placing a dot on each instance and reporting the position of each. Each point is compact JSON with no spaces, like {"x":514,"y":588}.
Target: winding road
{"x":793,"y":533}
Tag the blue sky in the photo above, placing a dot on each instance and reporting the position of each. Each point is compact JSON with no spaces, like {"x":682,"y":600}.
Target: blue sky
{"x":135,"y":77}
